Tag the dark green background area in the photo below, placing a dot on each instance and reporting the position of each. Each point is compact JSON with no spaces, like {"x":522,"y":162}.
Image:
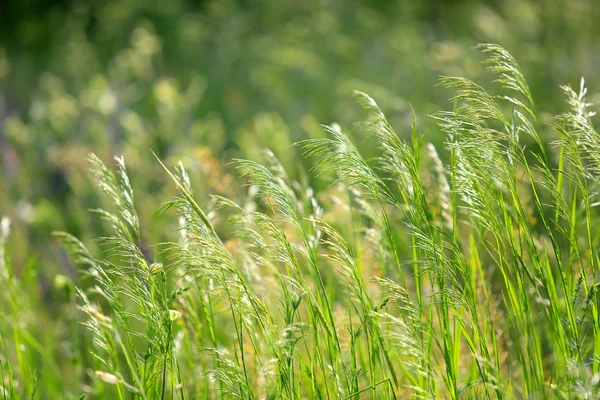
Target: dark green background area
{"x":305,"y":48}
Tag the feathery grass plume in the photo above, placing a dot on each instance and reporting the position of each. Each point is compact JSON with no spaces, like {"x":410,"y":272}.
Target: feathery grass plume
{"x":403,"y":161}
{"x":480,"y":170}
{"x":484,"y":174}
{"x":509,"y":75}
{"x":276,"y":188}
{"x":120,"y":192}
{"x":435,"y":251}
{"x":338,"y":154}
{"x":205,"y":256}
{"x":399,"y":159}
{"x":470,"y":139}
{"x":579,"y":135}
{"x":475,"y":103}
{"x":501,"y":63}
{"x":216,"y":276}
{"x":527,"y":274}
{"x":579,"y":160}
{"x":77,"y":250}
{"x":135,"y":292}
{"x":269,"y":246}
{"x":272,"y":187}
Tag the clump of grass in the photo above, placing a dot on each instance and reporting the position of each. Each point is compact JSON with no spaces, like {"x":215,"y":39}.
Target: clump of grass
{"x":409,"y":277}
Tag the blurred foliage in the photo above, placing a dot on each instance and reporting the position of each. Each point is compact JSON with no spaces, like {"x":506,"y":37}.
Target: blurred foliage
{"x":209,"y":80}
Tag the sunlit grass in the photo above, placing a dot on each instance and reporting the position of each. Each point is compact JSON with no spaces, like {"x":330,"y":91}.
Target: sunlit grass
{"x":407,"y":278}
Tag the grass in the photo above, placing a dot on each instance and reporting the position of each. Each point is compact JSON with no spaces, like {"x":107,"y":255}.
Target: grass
{"x":406,"y":278}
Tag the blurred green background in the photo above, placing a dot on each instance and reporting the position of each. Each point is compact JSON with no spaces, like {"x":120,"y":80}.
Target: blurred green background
{"x":206,"y":81}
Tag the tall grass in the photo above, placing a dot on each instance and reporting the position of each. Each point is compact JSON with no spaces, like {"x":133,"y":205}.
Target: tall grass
{"x":407,"y":278}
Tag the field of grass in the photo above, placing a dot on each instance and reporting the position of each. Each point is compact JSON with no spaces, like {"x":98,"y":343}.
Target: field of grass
{"x":181,"y":228}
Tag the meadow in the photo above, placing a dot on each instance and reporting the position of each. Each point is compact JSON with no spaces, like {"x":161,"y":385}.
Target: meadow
{"x":218,"y":203}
